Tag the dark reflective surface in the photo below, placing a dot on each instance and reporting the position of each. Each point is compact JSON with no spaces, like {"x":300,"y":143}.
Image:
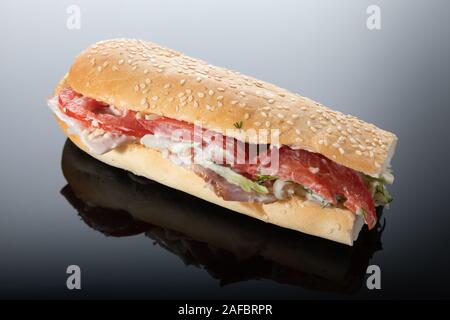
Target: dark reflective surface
{"x":230,"y":247}
{"x":397,"y":77}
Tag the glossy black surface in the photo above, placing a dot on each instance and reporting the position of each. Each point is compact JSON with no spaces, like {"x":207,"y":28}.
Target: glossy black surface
{"x":397,"y":77}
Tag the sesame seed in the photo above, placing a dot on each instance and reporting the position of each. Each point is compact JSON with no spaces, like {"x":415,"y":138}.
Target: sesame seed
{"x":264,"y":114}
{"x":114,"y":68}
{"x":220,"y":89}
{"x":359,"y":153}
{"x":99,"y":68}
{"x":155,"y":98}
{"x":295,"y":116}
{"x":219,"y":104}
{"x":341,"y":151}
{"x":143,"y":101}
{"x":142,"y":85}
{"x":182,"y":81}
{"x":210,"y":108}
{"x":297,"y":131}
{"x":211,"y":92}
{"x":320,"y":141}
{"x":195,"y":104}
{"x":335,"y":145}
{"x":271,"y":101}
{"x":167,"y":86}
{"x":148,"y":81}
{"x":198,"y":79}
{"x":219,"y":98}
{"x":242,"y":93}
{"x":234,"y":102}
{"x":303,"y":108}
{"x":138,"y":116}
{"x":242,"y":104}
{"x":246,"y":116}
{"x":200,"y":94}
{"x":145,"y":71}
{"x":136,"y":88}
{"x":290,"y":122}
{"x":257,"y":123}
{"x":267,"y":123}
{"x":280,"y":115}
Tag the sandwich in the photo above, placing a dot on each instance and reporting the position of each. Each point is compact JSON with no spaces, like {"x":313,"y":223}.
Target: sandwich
{"x":226,"y":138}
{"x":230,"y":247}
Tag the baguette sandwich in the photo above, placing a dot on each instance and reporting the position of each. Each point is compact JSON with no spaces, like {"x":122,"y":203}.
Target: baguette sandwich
{"x":229,"y":139}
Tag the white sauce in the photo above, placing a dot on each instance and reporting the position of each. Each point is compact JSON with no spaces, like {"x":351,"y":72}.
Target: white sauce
{"x":97,"y":140}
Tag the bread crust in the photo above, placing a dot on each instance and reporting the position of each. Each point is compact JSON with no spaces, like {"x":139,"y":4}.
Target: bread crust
{"x":336,"y":224}
{"x":145,"y":77}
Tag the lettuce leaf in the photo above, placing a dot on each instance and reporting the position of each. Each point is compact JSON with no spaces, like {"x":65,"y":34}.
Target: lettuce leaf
{"x":236,"y":178}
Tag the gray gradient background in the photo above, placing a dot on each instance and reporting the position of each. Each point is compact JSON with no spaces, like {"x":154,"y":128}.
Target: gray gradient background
{"x":397,"y":78}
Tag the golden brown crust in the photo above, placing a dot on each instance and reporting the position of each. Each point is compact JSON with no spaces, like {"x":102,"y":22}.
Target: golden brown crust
{"x":335,"y":224}
{"x":145,"y":77}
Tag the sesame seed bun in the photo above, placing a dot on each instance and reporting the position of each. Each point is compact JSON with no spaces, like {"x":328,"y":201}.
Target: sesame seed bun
{"x":336,"y":224}
{"x":145,"y":77}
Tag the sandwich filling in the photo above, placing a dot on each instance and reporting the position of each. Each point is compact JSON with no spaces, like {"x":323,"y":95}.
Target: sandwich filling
{"x":214,"y":158}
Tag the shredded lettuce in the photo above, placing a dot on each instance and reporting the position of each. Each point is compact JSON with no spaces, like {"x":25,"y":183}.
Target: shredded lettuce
{"x":261,"y":178}
{"x":312,"y":196}
{"x":235,"y":178}
{"x":377,"y":187}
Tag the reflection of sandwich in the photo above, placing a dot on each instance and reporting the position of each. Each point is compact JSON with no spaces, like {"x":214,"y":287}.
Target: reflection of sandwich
{"x":232,"y":140}
{"x":230,"y":247}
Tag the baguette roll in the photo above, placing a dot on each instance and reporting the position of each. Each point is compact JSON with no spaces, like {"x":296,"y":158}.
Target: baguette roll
{"x":152,"y":80}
